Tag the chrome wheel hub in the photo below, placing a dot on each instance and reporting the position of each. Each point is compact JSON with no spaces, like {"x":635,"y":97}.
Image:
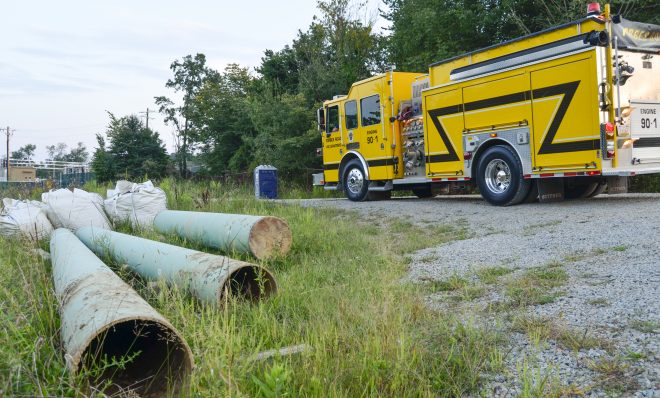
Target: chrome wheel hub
{"x":355,"y":181}
{"x":498,"y":176}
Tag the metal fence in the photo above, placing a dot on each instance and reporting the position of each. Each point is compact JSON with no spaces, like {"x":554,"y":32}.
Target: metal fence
{"x":76,"y":180}
{"x":22,"y":185}
{"x":304,"y":177}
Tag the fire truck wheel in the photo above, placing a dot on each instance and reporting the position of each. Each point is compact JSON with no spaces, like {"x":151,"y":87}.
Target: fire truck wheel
{"x":533,"y":195}
{"x":579,"y":187}
{"x":379,"y":195}
{"x":354,"y":181}
{"x":602,"y":186}
{"x":499,"y":177}
{"x":423,"y":192}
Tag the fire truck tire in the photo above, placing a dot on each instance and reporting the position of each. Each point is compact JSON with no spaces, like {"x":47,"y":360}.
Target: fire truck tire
{"x":533,"y":194}
{"x":602,"y":186}
{"x":499,"y":177}
{"x":379,"y":195}
{"x":579,"y":188}
{"x":423,"y":192}
{"x":354,"y":181}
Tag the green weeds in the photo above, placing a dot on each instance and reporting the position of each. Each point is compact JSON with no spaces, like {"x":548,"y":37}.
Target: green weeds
{"x":537,"y":383}
{"x":614,"y":375}
{"x":599,"y":302}
{"x":540,"y":329}
{"x":645,"y":326}
{"x":452,"y":283}
{"x":490,"y":275}
{"x":340,"y":292}
{"x":534,"y":286}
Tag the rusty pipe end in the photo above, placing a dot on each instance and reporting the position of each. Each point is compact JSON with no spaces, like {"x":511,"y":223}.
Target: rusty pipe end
{"x":270,"y":237}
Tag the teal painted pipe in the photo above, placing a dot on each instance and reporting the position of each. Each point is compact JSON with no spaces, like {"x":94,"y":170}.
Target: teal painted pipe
{"x":206,"y":276}
{"x":104,"y":318}
{"x":261,"y":236}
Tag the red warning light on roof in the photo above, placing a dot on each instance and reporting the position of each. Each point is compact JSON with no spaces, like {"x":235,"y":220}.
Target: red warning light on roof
{"x":609,"y":127}
{"x":593,"y":9}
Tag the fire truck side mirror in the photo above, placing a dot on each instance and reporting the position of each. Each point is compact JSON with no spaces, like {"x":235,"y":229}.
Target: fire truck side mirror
{"x":320,"y":117}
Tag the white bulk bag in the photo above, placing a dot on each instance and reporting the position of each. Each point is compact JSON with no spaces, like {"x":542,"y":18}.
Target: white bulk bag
{"x":137,"y":203}
{"x":75,"y":209}
{"x":26,"y":218}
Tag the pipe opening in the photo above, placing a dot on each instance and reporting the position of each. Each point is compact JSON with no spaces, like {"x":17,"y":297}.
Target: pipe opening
{"x":252,"y":283}
{"x":137,"y":357}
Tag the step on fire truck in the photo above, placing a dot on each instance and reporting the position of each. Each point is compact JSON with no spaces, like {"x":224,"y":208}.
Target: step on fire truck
{"x":562,"y":113}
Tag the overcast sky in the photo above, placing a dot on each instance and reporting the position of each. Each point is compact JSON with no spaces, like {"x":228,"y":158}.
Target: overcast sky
{"x":65,"y":63}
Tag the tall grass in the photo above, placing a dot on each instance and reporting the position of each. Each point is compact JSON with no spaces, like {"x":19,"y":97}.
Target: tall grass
{"x":341,"y":292}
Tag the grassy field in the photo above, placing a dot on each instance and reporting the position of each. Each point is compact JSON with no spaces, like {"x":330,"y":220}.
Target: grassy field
{"x":341,"y":291}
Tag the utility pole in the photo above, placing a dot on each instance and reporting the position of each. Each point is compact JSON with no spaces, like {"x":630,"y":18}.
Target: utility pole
{"x":8,"y":133}
{"x":147,"y":116}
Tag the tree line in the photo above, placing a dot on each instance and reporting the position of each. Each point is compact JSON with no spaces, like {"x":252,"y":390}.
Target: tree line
{"x":59,"y":152}
{"x":232,"y":120}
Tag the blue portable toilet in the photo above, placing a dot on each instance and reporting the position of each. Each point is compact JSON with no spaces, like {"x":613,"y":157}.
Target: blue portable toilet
{"x":265,"y":182}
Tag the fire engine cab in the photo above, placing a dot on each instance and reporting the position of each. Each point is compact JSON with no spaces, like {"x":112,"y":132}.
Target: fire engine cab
{"x":562,"y":113}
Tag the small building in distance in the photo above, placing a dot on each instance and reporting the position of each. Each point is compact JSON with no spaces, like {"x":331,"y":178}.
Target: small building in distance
{"x":22,"y":174}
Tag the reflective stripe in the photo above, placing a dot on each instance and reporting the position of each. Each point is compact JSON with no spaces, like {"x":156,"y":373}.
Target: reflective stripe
{"x":566,"y":174}
{"x":451,"y":179}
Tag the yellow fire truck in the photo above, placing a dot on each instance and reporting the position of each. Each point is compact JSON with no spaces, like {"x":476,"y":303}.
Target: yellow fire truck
{"x":562,"y":113}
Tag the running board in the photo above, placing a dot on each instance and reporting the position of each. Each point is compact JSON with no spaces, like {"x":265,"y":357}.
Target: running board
{"x":381,"y":188}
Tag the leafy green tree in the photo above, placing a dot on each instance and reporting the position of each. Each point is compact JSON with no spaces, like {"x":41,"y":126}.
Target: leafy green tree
{"x":190,"y":75}
{"x":426,"y":31}
{"x":58,"y":152}
{"x":281,"y":69}
{"x":24,"y":152}
{"x":133,"y":151}
{"x":225,"y":129}
{"x":102,"y":164}
{"x":233,"y":120}
{"x":287,"y":135}
{"x":543,"y":14}
{"x":78,"y":154}
{"x":336,"y":50}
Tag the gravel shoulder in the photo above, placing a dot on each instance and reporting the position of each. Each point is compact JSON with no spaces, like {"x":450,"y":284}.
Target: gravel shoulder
{"x":573,"y":286}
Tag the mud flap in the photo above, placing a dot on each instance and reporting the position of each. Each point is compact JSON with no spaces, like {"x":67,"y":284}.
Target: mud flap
{"x":550,"y":190}
{"x":616,"y":185}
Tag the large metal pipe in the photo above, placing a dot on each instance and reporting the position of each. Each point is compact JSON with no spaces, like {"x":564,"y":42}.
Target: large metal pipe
{"x":261,"y":236}
{"x":109,"y":333}
{"x":206,"y":276}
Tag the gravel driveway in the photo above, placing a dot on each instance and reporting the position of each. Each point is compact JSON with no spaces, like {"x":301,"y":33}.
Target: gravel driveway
{"x":574,"y":286}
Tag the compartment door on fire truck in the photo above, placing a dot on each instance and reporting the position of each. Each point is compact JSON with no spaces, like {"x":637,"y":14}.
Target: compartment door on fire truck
{"x":444,"y":133}
{"x":565,"y":105}
{"x":645,"y":125}
{"x":332,"y":143}
{"x":373,"y":142}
